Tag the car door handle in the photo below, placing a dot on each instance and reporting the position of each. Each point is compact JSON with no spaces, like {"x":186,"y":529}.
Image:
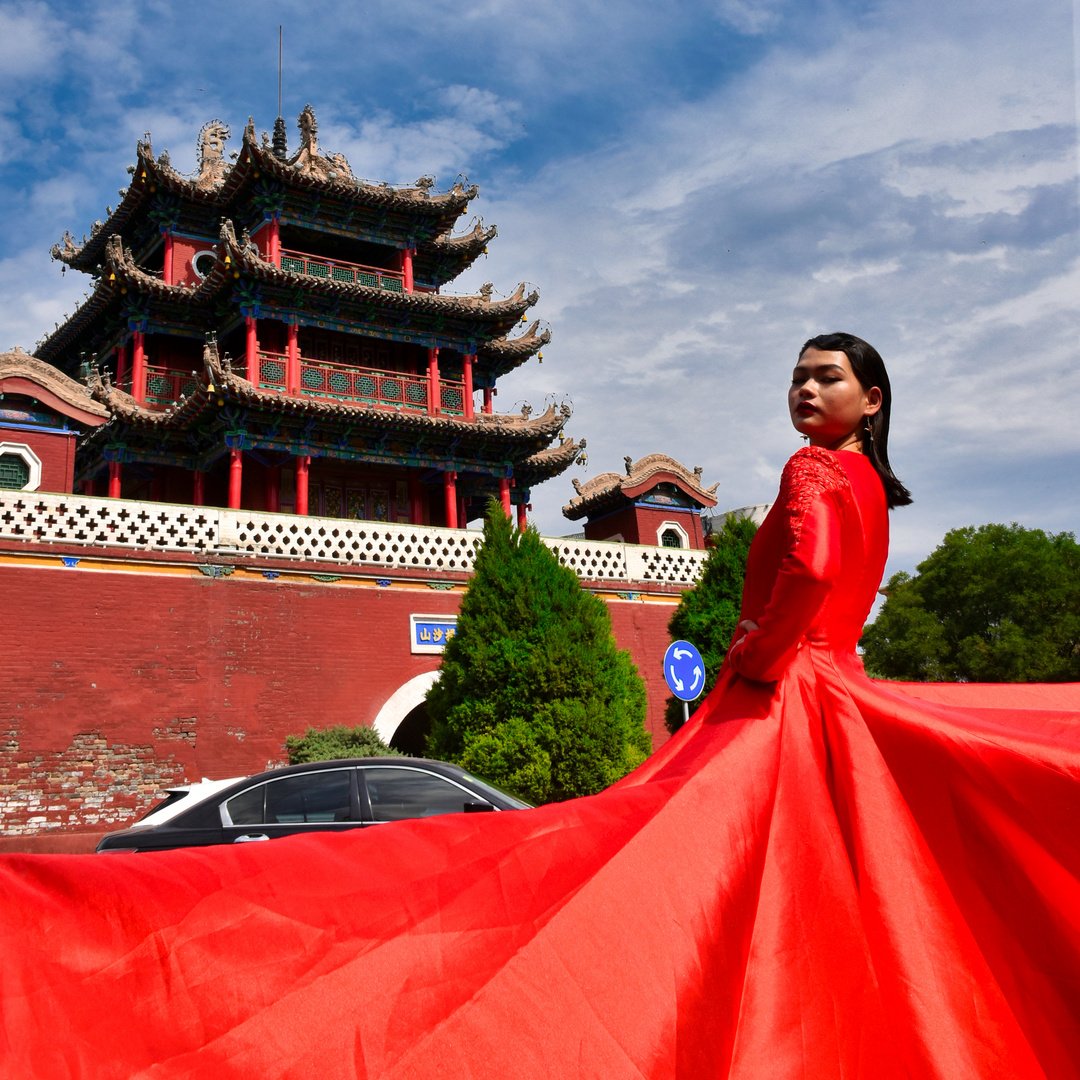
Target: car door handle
{"x":248,"y":838}
{"x":478,"y":807}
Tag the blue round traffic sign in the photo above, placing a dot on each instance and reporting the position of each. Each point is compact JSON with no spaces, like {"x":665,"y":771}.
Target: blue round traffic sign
{"x":684,"y":670}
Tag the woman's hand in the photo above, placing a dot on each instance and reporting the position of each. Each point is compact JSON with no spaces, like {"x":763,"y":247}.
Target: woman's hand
{"x":747,"y":626}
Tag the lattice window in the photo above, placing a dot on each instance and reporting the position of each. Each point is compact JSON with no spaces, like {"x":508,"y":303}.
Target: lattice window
{"x":14,"y":472}
{"x":292,"y":266}
{"x":392,"y":284}
{"x":342,"y":273}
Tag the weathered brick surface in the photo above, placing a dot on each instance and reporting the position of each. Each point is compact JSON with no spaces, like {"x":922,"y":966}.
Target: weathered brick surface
{"x":89,"y":784}
{"x":114,"y":684}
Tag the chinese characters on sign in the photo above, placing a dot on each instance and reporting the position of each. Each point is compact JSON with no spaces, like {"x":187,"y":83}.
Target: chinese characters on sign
{"x":430,"y":633}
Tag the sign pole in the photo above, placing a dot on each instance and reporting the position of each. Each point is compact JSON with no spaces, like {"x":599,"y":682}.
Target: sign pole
{"x":685,"y":711}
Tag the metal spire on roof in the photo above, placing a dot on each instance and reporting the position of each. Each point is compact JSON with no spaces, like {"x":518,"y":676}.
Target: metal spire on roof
{"x":281,"y":138}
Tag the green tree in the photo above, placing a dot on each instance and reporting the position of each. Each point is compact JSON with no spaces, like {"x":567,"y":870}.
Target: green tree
{"x":533,"y":693}
{"x":708,"y":614}
{"x":998,"y":603}
{"x":332,"y":743}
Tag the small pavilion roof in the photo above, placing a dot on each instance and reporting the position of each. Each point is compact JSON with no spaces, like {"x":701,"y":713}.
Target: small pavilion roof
{"x":608,"y":490}
{"x":21,"y":373}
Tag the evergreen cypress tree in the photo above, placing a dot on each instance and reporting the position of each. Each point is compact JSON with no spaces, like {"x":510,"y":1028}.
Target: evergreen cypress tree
{"x":708,"y":614}
{"x":533,"y":693}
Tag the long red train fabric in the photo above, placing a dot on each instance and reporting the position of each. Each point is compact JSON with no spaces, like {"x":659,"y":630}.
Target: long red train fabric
{"x":819,"y":876}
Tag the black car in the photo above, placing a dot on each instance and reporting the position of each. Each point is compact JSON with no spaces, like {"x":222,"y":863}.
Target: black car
{"x":324,"y":796}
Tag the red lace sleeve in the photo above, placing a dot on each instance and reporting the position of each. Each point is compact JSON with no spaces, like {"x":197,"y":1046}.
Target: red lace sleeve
{"x":812,"y":496}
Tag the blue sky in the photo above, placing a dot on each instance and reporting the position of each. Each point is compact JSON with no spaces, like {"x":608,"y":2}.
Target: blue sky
{"x":695,"y":188}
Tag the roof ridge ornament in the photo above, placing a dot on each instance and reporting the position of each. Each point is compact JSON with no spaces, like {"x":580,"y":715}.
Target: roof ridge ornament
{"x":281,"y":139}
{"x":213,"y":168}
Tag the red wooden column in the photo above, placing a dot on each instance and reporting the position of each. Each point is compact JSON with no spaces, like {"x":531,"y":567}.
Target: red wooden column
{"x":450,"y":498}
{"x":292,"y":362}
{"x":487,"y":399}
{"x":462,"y":514}
{"x":273,"y":490}
{"x":523,"y":520}
{"x":252,"y":350}
{"x":406,"y":268}
{"x":416,"y":501}
{"x":114,"y":479}
{"x":198,"y":488}
{"x":433,"y":382}
{"x":236,"y":476}
{"x":274,"y":241}
{"x":467,"y":369}
{"x":167,"y":271}
{"x":88,"y":487}
{"x":504,"y":495}
{"x":302,"y":463}
{"x":121,"y":363}
{"x":138,"y":367}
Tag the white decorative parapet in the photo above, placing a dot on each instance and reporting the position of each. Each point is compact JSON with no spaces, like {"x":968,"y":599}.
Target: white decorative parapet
{"x":43,"y":518}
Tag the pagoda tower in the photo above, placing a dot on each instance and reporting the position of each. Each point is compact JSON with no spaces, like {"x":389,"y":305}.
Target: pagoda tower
{"x":271,"y":334}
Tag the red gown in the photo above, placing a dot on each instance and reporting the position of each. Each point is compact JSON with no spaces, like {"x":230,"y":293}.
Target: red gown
{"x":819,"y":876}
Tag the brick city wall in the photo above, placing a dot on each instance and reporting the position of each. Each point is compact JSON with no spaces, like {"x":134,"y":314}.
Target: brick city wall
{"x":119,"y":678}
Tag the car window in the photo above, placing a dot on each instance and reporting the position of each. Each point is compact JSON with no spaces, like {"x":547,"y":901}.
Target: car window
{"x":317,"y":796}
{"x":247,"y":807}
{"x":491,"y":789}
{"x":406,"y":793}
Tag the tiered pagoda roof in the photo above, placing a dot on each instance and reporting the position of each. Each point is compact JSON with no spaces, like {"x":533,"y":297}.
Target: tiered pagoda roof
{"x":253,"y":254}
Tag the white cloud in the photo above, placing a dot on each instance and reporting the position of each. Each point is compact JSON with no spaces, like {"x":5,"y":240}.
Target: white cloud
{"x":749,"y":17}
{"x":30,"y":42}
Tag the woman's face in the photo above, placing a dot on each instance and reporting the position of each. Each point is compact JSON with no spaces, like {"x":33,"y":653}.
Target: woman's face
{"x":827,"y":403}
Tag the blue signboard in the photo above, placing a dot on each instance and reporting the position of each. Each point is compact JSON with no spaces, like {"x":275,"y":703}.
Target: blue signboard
{"x":430,"y":633}
{"x":684,"y":670}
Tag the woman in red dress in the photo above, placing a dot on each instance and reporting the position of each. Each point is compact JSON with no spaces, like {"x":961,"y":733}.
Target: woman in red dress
{"x":819,"y":876}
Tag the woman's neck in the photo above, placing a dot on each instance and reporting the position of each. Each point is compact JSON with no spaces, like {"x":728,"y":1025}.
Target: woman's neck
{"x":852,"y":442}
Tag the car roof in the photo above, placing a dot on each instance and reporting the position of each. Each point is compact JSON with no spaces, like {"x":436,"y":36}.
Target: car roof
{"x":384,"y":760}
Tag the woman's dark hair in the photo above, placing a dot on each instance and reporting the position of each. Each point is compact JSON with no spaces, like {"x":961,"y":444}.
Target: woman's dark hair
{"x":869,"y":369}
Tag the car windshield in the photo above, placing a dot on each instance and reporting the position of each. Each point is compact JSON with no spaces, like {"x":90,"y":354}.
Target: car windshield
{"x":491,"y":789}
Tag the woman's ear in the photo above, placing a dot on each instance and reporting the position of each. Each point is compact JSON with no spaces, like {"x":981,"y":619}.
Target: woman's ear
{"x":873,"y":401}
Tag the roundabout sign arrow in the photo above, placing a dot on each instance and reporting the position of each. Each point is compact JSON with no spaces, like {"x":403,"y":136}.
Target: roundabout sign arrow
{"x":684,"y":670}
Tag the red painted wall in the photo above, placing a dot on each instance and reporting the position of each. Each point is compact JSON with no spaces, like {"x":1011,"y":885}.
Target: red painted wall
{"x":117,"y":683}
{"x":184,"y":250}
{"x":640,"y":525}
{"x":55,"y":451}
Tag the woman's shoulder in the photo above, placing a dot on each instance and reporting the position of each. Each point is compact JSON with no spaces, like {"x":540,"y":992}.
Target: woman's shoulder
{"x":816,"y":470}
{"x":810,"y":473}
